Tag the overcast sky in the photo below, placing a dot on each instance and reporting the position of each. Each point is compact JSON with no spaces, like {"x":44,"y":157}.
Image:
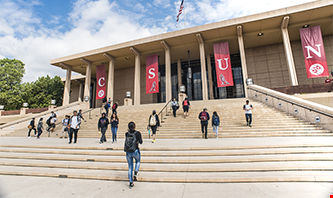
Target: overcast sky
{"x":37,"y":31}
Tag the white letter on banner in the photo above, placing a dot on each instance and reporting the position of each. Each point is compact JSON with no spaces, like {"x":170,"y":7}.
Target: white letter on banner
{"x":220,"y":64}
{"x":309,"y":48}
{"x":99,"y":82}
{"x":152,"y":72}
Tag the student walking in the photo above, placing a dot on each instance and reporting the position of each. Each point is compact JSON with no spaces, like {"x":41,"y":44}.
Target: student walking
{"x":40,"y":128}
{"x":32,"y":127}
{"x":132,"y":140}
{"x":186,"y":106}
{"x":114,"y":126}
{"x":107,"y":107}
{"x":103,"y":123}
{"x":215,"y":124}
{"x":65,"y":129}
{"x":204,"y":117}
{"x":248,"y":113}
{"x":80,"y":115}
{"x":153,"y":124}
{"x":114,"y":108}
{"x":74,"y":126}
{"x":175,"y":107}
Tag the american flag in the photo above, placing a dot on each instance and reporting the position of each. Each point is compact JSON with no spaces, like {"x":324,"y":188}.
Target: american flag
{"x":180,"y":9}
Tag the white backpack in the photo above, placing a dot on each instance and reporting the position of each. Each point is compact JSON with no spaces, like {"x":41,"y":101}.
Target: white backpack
{"x":152,"y":121}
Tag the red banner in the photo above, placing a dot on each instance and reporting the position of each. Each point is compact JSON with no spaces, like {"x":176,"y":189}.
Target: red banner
{"x":314,"y":52}
{"x":101,"y":83}
{"x":223,"y":65}
{"x":152,"y":74}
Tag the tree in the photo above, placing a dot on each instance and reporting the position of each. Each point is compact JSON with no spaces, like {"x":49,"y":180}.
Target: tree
{"x":11,"y":74}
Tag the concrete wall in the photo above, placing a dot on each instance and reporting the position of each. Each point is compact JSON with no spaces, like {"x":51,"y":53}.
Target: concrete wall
{"x":287,"y":103}
{"x":267,"y":65}
{"x":320,"y":98}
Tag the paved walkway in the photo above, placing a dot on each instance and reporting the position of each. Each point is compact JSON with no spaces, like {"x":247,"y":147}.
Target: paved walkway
{"x":24,"y":186}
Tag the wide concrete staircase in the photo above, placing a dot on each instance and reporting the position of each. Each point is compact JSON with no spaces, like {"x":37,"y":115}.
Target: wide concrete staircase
{"x":278,"y":148}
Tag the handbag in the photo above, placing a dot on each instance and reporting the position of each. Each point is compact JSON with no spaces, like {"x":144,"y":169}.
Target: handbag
{"x":29,"y":126}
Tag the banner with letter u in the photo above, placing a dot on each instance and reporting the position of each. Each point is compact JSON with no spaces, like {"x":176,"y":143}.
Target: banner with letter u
{"x":152,"y":74}
{"x":314,"y":52}
{"x":101,"y":82}
{"x":223,"y":65}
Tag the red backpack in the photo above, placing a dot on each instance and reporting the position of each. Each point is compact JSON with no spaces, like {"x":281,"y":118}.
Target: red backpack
{"x":204,"y":116}
{"x":185,"y":103}
{"x":114,"y":106}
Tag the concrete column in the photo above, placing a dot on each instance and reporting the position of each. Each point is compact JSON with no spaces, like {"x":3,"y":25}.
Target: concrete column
{"x":94,"y":101}
{"x":110,"y":76}
{"x":288,"y":51}
{"x":210,"y":77}
{"x":80,"y":92}
{"x":242,"y":55}
{"x":179,"y":73}
{"x":67,"y":88}
{"x":203,"y":67}
{"x":137,"y":94}
{"x":87,"y":81}
{"x":168,"y":90}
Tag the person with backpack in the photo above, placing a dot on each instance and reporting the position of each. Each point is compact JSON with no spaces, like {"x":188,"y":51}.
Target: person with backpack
{"x":132,"y":140}
{"x":215,"y":123}
{"x":103,"y":123}
{"x":153,"y":123}
{"x":114,"y":108}
{"x":74,"y":126}
{"x":175,"y":107}
{"x":186,"y":106}
{"x":114,"y":127}
{"x":204,"y":117}
{"x":32,"y":127}
{"x":248,"y":113}
{"x":53,"y":123}
{"x":80,"y":115}
{"x":107,"y":107}
{"x":40,"y":128}
{"x":64,"y":123}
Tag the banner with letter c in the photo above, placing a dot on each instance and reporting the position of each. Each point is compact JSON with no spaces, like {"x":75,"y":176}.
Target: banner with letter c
{"x":101,"y":82}
{"x":152,"y":74}
{"x":314,"y":52}
{"x":223,"y":65}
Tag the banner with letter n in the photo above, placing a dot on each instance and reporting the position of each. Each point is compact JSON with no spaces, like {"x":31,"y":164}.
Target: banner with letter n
{"x":314,"y":52}
{"x":152,"y":74}
{"x":223,"y":65}
{"x":101,"y":83}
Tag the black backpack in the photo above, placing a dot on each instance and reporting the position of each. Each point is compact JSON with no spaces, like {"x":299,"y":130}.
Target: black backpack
{"x":48,"y":121}
{"x":130,"y":142}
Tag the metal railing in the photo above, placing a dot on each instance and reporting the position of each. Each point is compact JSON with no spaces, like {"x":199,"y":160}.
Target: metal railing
{"x":293,"y":103}
{"x":166,"y":110}
{"x":39,"y":115}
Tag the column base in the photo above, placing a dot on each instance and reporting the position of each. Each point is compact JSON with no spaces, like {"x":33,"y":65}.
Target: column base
{"x":128,"y":102}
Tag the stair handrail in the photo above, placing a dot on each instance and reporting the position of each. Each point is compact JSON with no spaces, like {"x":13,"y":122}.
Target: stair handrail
{"x":166,"y":111}
{"x":289,"y":101}
{"x":39,"y":115}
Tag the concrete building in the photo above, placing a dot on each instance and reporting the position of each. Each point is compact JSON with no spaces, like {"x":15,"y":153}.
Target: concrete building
{"x":265,"y":47}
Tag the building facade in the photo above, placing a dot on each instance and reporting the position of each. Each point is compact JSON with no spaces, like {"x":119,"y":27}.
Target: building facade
{"x":265,"y":47}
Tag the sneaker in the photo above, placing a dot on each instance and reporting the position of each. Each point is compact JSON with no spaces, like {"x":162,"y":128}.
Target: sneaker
{"x":131,"y":184}
{"x":38,"y":138}
{"x":69,"y":142}
{"x":100,"y":142}
{"x":250,"y":125}
{"x":153,"y":141}
{"x":60,"y":137}
{"x":66,"y":137}
{"x":203,"y":135}
{"x":135,"y":176}
{"x":206,"y":138}
{"x":29,"y":137}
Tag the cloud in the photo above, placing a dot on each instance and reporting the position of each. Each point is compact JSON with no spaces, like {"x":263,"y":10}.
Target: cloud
{"x":162,"y":3}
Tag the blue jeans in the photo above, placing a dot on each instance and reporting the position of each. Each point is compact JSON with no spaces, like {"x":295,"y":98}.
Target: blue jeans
{"x":215,"y":129}
{"x":114,"y":133}
{"x":248,"y":118}
{"x":129,"y":157}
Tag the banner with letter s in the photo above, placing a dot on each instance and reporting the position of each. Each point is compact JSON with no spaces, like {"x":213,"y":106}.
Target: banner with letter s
{"x":152,"y":74}
{"x":101,"y":82}
{"x":314,"y":52}
{"x":223,"y":65}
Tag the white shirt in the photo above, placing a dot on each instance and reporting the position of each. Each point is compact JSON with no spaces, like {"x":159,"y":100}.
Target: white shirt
{"x":53,"y":120}
{"x":74,"y":123}
{"x":247,"y":108}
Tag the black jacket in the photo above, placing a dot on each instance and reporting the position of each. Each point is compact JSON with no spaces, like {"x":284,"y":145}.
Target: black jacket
{"x":101,"y":122}
{"x":204,"y":122}
{"x":32,"y":123}
{"x":157,"y":120}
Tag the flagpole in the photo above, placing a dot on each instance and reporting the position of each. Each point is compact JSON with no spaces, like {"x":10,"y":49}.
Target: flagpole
{"x":185,"y":16}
